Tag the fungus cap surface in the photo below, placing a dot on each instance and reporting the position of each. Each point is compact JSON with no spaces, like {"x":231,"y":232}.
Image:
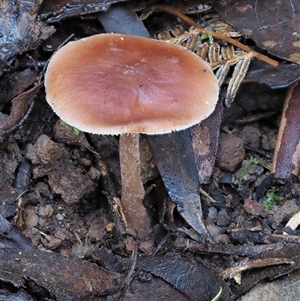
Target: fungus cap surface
{"x":116,"y":84}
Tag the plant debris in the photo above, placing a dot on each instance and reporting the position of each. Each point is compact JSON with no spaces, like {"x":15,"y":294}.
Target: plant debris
{"x":62,"y":231}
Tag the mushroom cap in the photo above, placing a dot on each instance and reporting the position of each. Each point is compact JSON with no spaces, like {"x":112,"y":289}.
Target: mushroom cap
{"x":116,"y":84}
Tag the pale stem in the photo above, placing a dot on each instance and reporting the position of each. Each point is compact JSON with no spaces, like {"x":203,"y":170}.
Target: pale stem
{"x":132,"y":186}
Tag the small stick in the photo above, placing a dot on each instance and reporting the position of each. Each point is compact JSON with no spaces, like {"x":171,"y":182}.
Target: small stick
{"x":206,"y":195}
{"x":216,"y":35}
{"x":127,"y":280}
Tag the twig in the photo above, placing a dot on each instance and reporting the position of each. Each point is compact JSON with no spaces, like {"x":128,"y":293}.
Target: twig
{"x":256,"y":15}
{"x":293,"y":8}
{"x":131,"y":269}
{"x":251,"y":264}
{"x":206,"y":195}
{"x":216,"y":35}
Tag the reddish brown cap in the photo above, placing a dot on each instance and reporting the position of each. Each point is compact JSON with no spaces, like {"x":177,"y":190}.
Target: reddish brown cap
{"x":116,"y":84}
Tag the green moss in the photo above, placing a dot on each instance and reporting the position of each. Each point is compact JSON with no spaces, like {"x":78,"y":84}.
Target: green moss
{"x":76,"y":131}
{"x":252,"y":160}
{"x":205,"y":36}
{"x":62,"y":123}
{"x":272,"y":199}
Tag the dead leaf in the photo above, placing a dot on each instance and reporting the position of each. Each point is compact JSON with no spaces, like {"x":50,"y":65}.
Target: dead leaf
{"x":57,"y":10}
{"x":20,"y":31}
{"x":66,"y":278}
{"x":205,"y":142}
{"x":194,"y":280}
{"x":272,"y":25}
{"x":175,"y":161}
{"x":19,"y":109}
{"x":286,"y":158}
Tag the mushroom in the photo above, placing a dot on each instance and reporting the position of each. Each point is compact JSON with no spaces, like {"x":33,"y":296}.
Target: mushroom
{"x":114,"y":84}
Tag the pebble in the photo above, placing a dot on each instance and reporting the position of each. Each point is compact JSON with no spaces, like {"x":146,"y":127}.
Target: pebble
{"x":223,"y":218}
{"x":217,"y":196}
{"x":251,"y":136}
{"x":226,"y":178}
{"x":52,"y":244}
{"x":31,"y":217}
{"x":269,"y":140}
{"x":80,"y":251}
{"x":94,"y":173}
{"x":253,"y":172}
{"x":42,"y":222}
{"x":146,"y":246}
{"x":59,"y":217}
{"x":212,"y":212}
{"x":256,"y":169}
{"x":45,"y":211}
{"x":43,"y":189}
{"x":222,"y":239}
{"x":33,"y":197}
{"x":214,"y":230}
{"x":231,"y":152}
{"x":259,"y":180}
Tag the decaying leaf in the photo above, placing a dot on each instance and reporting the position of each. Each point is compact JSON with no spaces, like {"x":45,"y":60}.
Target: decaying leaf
{"x":65,"y":278}
{"x":205,"y":142}
{"x":272,"y":25}
{"x":9,"y":194}
{"x":174,"y":157}
{"x":286,"y":158}
{"x":193,"y":280}
{"x":14,"y":84}
{"x":20,"y":31}
{"x":55,"y":11}
{"x":250,"y":264}
{"x":275,"y":78}
{"x":19,"y":109}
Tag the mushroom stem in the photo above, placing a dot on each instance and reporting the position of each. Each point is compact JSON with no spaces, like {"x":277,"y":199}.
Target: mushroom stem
{"x":132,"y":186}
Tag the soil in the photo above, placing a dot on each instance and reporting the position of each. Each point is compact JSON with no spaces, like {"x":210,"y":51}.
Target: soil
{"x":59,"y":189}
